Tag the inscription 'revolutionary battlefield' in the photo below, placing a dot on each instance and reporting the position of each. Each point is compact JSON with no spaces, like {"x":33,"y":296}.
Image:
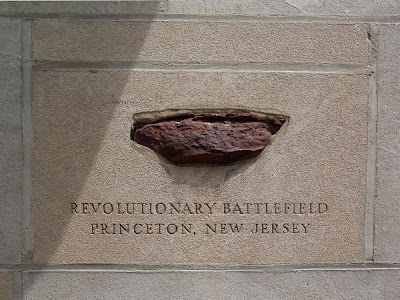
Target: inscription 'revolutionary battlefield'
{"x":186,"y":208}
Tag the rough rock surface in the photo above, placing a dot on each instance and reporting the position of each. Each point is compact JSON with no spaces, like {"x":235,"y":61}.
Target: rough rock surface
{"x":208,"y":138}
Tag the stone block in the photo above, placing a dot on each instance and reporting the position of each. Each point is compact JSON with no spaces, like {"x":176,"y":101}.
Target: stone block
{"x":313,"y":174}
{"x":387,"y":206}
{"x":6,"y":286}
{"x":199,"y":41}
{"x":311,"y":284}
{"x":282,"y":7}
{"x":10,"y":141}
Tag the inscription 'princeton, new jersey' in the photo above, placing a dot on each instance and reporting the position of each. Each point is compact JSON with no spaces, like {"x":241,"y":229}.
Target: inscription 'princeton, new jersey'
{"x":208,"y":228}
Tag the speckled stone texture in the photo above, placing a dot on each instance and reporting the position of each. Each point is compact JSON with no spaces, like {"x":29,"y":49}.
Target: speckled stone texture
{"x":6,"y":286}
{"x":286,"y":8}
{"x":199,"y":41}
{"x":218,"y":285}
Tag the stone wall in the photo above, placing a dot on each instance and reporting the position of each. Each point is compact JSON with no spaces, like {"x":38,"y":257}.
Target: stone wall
{"x":87,"y":213}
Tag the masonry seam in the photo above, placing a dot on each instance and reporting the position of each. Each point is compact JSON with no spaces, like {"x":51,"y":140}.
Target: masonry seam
{"x":17,"y":286}
{"x":372,"y":141}
{"x":166,"y":268}
{"x":203,"y":66}
{"x":27,"y":136}
{"x":295,"y":19}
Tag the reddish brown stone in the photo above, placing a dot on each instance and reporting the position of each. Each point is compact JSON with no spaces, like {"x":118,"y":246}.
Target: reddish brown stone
{"x":208,"y":138}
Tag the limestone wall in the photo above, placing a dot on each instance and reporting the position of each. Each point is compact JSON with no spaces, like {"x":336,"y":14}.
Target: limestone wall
{"x":87,"y":213}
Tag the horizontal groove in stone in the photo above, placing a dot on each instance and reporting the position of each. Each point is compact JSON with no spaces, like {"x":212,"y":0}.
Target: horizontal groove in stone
{"x":327,"y":19}
{"x":206,"y":66}
{"x":199,"y":41}
{"x":123,"y":268}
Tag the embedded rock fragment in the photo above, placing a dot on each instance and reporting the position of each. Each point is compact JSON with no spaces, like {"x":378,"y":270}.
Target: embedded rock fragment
{"x":208,"y":138}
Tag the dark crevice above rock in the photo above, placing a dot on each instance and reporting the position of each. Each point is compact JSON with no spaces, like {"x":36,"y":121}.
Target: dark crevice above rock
{"x":217,"y":138}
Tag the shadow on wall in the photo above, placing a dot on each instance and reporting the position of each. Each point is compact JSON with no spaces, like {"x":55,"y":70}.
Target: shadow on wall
{"x":69,"y":134}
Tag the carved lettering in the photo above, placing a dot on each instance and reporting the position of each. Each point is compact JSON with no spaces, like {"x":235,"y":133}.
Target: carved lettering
{"x":223,"y":228}
{"x":191,"y":210}
{"x":280,"y":228}
{"x":141,"y":228}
